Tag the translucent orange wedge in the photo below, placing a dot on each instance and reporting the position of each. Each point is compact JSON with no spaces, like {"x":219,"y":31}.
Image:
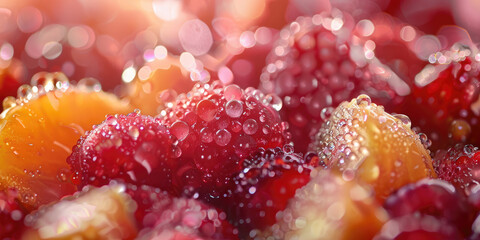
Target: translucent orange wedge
{"x":39,"y":129}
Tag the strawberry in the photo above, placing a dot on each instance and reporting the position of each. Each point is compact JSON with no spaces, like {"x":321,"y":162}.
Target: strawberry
{"x":134,"y":148}
{"x":217,"y":127}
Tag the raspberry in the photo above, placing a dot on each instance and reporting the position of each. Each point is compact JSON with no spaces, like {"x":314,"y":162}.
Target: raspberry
{"x":217,"y":127}
{"x":263,"y":188}
{"x":165,"y":217}
{"x":364,"y":142}
{"x":11,"y":215}
{"x":417,"y":227}
{"x":444,"y":102}
{"x":328,"y":207}
{"x":460,"y":166}
{"x":313,"y":66}
{"x":434,"y":198}
{"x":134,"y":148}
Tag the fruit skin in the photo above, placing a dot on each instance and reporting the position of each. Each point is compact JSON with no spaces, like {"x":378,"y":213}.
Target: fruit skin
{"x":134,"y":148}
{"x":417,"y":227}
{"x":329,"y":207}
{"x":264,"y":187}
{"x":93,"y":213}
{"x":432,"y":197}
{"x":12,"y":214}
{"x":363,"y":142}
{"x":39,"y":129}
{"x":444,"y":102}
{"x":315,"y":65}
{"x":217,"y":127}
{"x":165,"y":217}
{"x":459,"y":166}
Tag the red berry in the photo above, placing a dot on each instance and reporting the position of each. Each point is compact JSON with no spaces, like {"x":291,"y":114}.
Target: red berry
{"x":434,"y":198}
{"x":417,"y":227}
{"x":460,"y":166}
{"x":313,"y":65}
{"x":134,"y":148}
{"x":165,"y":217}
{"x":217,"y":127}
{"x":444,"y":102}
{"x":263,"y":188}
{"x":11,"y":215}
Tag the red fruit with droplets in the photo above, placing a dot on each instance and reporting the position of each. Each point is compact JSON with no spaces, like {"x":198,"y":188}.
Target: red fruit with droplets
{"x":445,"y":101}
{"x":164,"y":217}
{"x":217,"y":127}
{"x":314,"y":65}
{"x":434,"y":198}
{"x":265,"y":186}
{"x":415,"y":227}
{"x":460,"y":166}
{"x":134,"y":148}
{"x":11,"y":215}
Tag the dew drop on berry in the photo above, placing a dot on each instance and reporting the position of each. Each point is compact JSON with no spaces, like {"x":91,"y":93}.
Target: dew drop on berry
{"x":180,"y":130}
{"x":222,"y":137}
{"x":250,"y":126}
{"x":206,"y":135}
{"x":133,"y":132}
{"x":234,"y":108}
{"x":168,"y":97}
{"x":206,"y":110}
{"x":233,"y":92}
{"x":364,"y":100}
{"x":404,"y":119}
{"x":274,"y":101}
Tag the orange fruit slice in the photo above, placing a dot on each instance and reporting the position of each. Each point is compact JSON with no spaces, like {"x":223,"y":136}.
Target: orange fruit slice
{"x":364,"y":142}
{"x":39,"y":129}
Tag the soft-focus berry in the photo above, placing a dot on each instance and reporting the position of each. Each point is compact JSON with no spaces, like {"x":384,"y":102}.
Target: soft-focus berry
{"x":460,"y":166}
{"x":314,"y":65}
{"x":418,"y":227}
{"x":12,"y":214}
{"x":217,"y":127}
{"x":93,"y":213}
{"x":435,"y":198}
{"x":134,"y":148}
{"x":265,"y":186}
{"x":328,"y":207}
{"x":364,"y":142}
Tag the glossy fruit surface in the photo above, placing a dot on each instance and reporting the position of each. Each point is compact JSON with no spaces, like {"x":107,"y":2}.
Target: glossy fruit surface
{"x":38,"y":130}
{"x":365,"y":143}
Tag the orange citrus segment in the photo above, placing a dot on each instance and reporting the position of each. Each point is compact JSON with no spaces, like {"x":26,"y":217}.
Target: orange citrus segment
{"x":37,"y":133}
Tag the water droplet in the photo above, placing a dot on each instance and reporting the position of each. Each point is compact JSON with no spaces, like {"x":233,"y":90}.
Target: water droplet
{"x":404,"y":119}
{"x":168,"y":97}
{"x":222,"y":137}
{"x":234,"y":108}
{"x":25,"y":92}
{"x":326,"y":113}
{"x":460,"y":130}
{"x":133,"y":132}
{"x":206,"y":110}
{"x":232,"y":92}
{"x":9,"y":102}
{"x":89,"y":84}
{"x":288,"y":148}
{"x":364,"y":100}
{"x":63,"y":174}
{"x":180,"y":130}
{"x":250,"y":126}
{"x":274,"y":101}
{"x":206,"y":134}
